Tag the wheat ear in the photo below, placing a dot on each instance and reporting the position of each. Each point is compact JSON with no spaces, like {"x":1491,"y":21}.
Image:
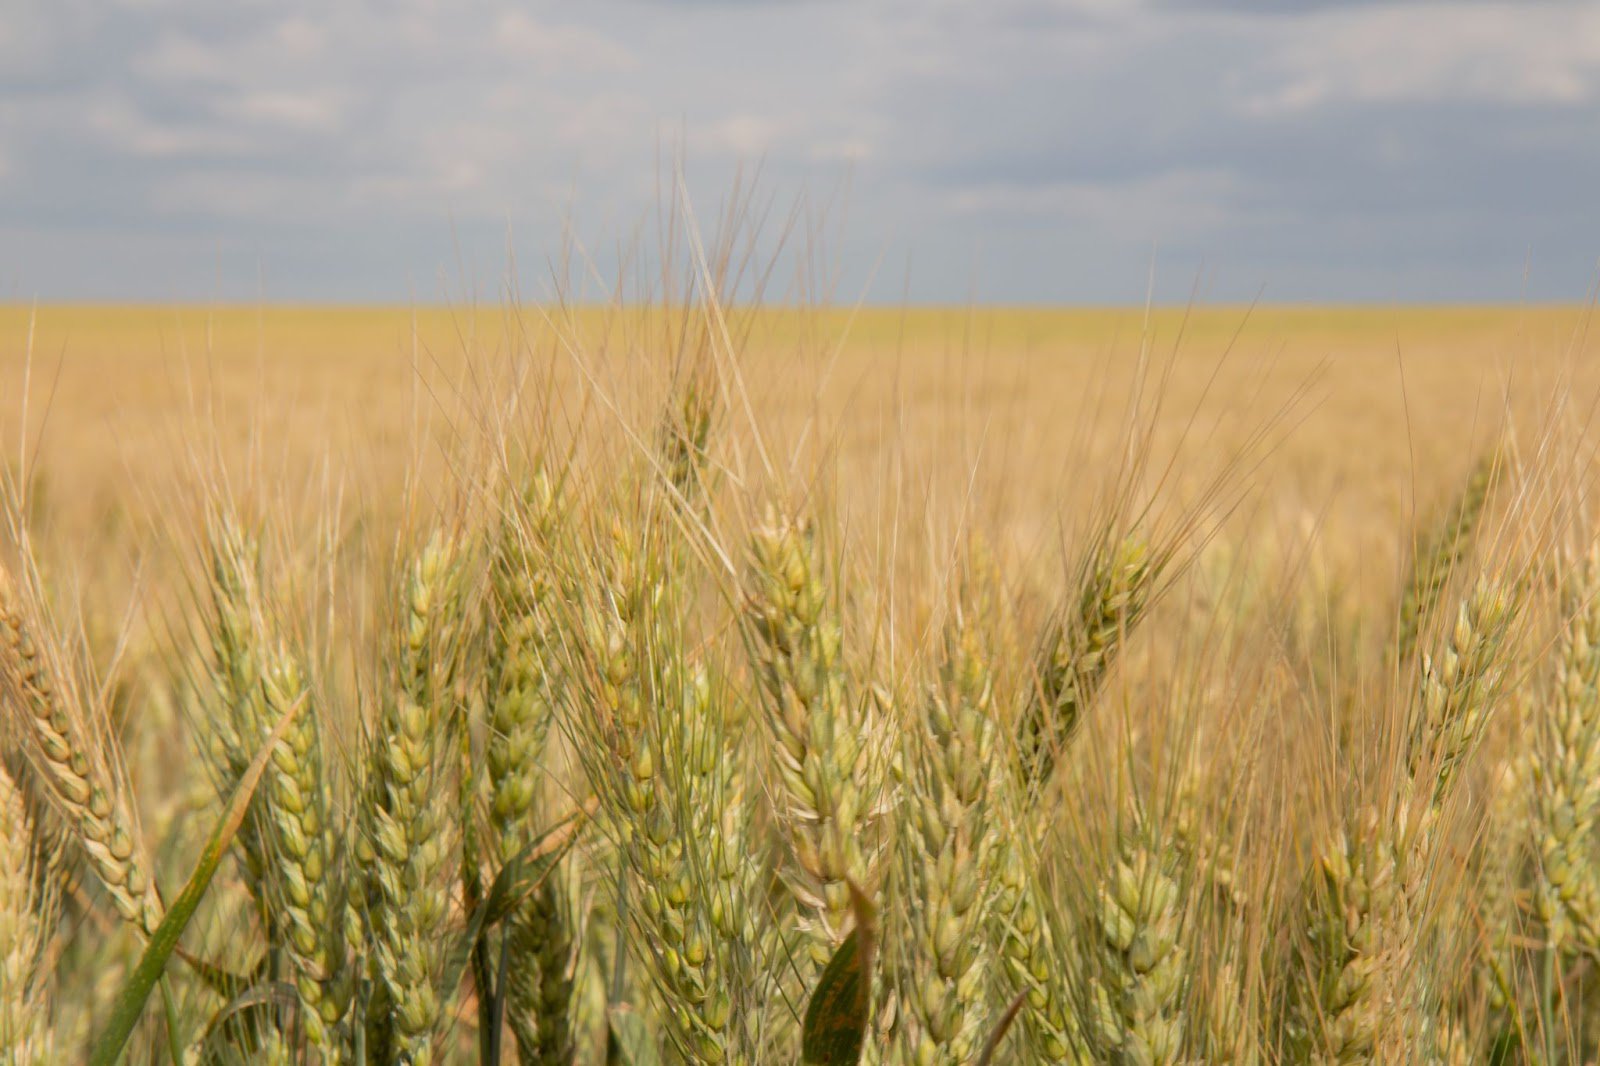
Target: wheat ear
{"x":1461,"y":686}
{"x":288,"y":836}
{"x":73,"y":764}
{"x":407,"y":841}
{"x":948,"y":853}
{"x":1142,"y":970}
{"x":1440,"y":553}
{"x":1370,"y":908}
{"x":525,"y":670}
{"x":823,"y":728}
{"x":25,"y":915}
{"x":1566,"y":775}
{"x":1080,"y":647}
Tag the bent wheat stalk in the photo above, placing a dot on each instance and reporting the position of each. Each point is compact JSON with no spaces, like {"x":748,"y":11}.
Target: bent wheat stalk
{"x":75,"y":767}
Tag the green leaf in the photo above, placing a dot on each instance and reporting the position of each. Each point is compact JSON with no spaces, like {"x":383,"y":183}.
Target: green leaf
{"x":841,"y":1004}
{"x":223,"y":982}
{"x":998,"y":1037}
{"x":262,"y":998}
{"x":628,"y":1040}
{"x":164,"y":941}
{"x":521,"y":875}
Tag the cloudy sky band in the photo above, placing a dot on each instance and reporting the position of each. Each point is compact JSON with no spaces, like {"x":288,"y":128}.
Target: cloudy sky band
{"x":1010,"y":150}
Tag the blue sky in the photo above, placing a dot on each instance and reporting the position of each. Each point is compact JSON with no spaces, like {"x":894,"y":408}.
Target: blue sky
{"x":998,"y":150}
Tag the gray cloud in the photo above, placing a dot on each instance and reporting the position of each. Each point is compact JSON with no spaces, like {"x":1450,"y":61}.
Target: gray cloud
{"x":1016,"y":149}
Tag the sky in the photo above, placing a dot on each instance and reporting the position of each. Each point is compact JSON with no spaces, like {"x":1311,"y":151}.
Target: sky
{"x":1006,"y":151}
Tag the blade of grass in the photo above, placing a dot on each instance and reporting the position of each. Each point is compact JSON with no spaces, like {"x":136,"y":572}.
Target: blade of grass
{"x":170,"y":1007}
{"x":516,"y":879}
{"x":272,"y":994}
{"x":998,"y":1037}
{"x":841,"y":1004}
{"x":153,"y":963}
{"x":628,"y":1039}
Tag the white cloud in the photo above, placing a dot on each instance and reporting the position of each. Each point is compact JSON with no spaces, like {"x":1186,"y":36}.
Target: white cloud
{"x":520,"y":35}
{"x":300,"y":36}
{"x":118,"y":124}
{"x":745,"y":136}
{"x":1433,"y":53}
{"x":182,"y":57}
{"x":305,"y":111}
{"x":226,"y":193}
{"x":1176,"y":204}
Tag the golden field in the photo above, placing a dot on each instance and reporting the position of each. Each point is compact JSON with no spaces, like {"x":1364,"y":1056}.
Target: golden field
{"x":705,"y":684}
{"x":1372,"y":411}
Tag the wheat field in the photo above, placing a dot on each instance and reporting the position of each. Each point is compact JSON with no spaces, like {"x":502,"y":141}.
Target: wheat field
{"x":709,"y":683}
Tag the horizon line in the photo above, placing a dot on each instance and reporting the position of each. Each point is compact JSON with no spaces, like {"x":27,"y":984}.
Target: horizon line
{"x":777,"y":305}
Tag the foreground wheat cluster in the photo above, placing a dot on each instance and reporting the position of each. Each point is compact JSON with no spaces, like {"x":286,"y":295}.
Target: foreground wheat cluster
{"x":642,"y":763}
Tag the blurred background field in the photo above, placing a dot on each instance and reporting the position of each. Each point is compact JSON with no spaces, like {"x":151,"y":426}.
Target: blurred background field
{"x":1370,"y":412}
